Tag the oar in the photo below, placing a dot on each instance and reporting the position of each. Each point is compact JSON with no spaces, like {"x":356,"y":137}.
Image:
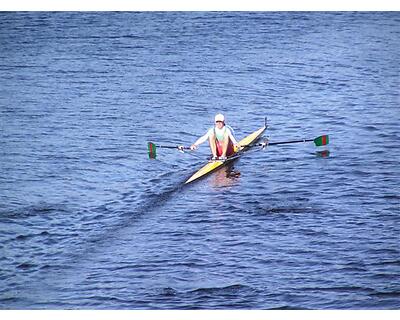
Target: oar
{"x":152,"y":148}
{"x":319,"y":141}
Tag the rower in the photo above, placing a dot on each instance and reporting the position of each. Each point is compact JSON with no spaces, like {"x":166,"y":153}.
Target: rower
{"x":222,"y":142}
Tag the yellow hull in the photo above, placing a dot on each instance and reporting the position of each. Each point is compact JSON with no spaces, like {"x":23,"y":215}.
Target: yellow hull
{"x":212,"y":166}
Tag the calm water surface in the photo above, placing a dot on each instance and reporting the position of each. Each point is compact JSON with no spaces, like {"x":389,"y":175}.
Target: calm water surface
{"x":87,"y":221}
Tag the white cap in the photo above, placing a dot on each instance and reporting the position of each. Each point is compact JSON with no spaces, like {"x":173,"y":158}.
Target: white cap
{"x":219,"y":117}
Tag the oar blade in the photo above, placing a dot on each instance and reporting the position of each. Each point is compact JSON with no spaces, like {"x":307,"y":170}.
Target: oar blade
{"x":152,"y":150}
{"x":321,"y":141}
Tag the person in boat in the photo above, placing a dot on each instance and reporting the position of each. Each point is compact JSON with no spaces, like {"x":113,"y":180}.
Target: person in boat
{"x":220,"y":137}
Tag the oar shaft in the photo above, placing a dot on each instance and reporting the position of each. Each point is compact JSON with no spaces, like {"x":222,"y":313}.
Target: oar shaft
{"x":166,"y":147}
{"x":287,"y":142}
{"x":172,"y":147}
{"x":152,"y":148}
{"x":319,"y":141}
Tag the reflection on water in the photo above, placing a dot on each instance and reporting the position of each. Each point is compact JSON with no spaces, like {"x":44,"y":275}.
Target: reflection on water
{"x":323,"y":153}
{"x":225,"y":177}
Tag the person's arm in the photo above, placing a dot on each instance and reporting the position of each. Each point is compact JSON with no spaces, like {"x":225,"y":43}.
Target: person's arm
{"x":200,"y":141}
{"x":232,"y":138}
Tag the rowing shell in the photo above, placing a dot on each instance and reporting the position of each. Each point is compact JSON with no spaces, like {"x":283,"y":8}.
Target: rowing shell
{"x":245,"y":143}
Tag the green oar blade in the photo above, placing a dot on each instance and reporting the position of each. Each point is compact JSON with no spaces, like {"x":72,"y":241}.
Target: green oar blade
{"x":152,"y":150}
{"x":321,"y":141}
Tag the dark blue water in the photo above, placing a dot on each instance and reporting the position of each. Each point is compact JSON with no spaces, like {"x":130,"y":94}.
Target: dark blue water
{"x":87,"y":221}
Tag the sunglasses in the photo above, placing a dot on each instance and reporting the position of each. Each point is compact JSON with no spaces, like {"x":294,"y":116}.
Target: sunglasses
{"x":219,"y":121}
